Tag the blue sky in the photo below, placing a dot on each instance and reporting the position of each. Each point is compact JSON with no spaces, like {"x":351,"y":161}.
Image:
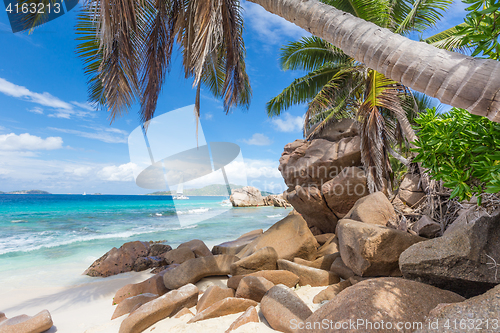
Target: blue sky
{"x":51,"y":139}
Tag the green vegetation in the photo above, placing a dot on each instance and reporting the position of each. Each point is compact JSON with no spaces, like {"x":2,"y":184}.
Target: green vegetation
{"x":460,"y":149}
{"x":26,"y":192}
{"x":478,"y":34}
{"x":337,"y":86}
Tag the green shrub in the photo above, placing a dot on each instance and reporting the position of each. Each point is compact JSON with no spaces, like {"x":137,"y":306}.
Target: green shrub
{"x":460,"y":149}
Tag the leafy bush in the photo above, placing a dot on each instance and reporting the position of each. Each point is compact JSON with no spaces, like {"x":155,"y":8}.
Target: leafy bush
{"x":460,"y":149}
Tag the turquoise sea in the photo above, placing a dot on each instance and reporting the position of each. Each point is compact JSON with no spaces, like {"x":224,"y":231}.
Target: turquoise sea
{"x":54,"y":238}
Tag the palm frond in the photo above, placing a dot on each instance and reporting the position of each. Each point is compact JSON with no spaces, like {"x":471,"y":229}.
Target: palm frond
{"x":303,"y":89}
{"x":374,"y":11}
{"x":449,"y":40}
{"x":310,"y":53}
{"x":417,"y":15}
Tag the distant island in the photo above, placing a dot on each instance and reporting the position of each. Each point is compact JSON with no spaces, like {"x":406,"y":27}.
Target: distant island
{"x":210,"y":190}
{"x":26,"y":192}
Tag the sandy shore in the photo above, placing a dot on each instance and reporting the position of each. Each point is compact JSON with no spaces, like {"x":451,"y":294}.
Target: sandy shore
{"x":73,"y":309}
{"x":214,"y":325}
{"x":87,"y":307}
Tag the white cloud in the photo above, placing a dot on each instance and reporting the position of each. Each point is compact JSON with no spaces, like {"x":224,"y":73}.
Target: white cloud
{"x":13,"y":142}
{"x":270,"y":28}
{"x":45,"y":98}
{"x":208,"y":116}
{"x":258,"y":139}
{"x":108,"y":135}
{"x":59,"y":108}
{"x":121,"y":173}
{"x":288,"y":123}
{"x":86,"y":106}
{"x":36,"y":109}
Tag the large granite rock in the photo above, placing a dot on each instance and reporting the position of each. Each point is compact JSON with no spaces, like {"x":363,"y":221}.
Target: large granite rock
{"x":309,"y":275}
{"x":276,"y":200}
{"x":463,"y":260}
{"x":233,"y":247}
{"x":194,"y":270}
{"x":477,"y":314}
{"x":344,"y":190}
{"x":286,"y":278}
{"x":324,"y":262}
{"x":38,"y":323}
{"x":249,"y":316}
{"x":224,"y":307}
{"x":212,"y":295}
{"x":372,"y":250}
{"x":410,"y":190}
{"x":118,"y":261}
{"x":160,"y":308}
{"x":282,"y":308}
{"x":132,"y":303}
{"x":426,"y":227}
{"x":179,"y":255}
{"x":391,"y":300}
{"x":344,"y":128}
{"x":262,"y":259}
{"x":198,"y":247}
{"x":315,"y":162}
{"x":253,"y":287}
{"x":374,"y":209}
{"x":247,"y":196}
{"x":331,"y":291}
{"x":290,"y":238}
{"x":153,"y":285}
{"x":309,"y":202}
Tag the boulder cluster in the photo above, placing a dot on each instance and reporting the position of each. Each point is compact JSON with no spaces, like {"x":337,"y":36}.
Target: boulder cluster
{"x":249,"y":196}
{"x":373,"y":272}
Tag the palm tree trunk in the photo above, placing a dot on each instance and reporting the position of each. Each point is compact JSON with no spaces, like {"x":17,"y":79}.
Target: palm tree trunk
{"x":453,"y":78}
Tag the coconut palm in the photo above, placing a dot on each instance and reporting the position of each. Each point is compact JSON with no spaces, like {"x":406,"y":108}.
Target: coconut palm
{"x":127,"y":48}
{"x":454,"y":79}
{"x":337,"y":86}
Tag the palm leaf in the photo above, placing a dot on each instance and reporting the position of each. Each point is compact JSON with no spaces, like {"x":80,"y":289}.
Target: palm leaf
{"x":310,"y":53}
{"x":449,"y":40}
{"x":303,"y":89}
{"x":417,"y":15}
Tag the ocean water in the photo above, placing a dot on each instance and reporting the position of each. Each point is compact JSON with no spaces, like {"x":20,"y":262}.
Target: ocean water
{"x":52,"y":239}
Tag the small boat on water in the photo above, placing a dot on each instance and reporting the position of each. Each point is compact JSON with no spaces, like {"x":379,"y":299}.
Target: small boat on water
{"x":180,"y":193}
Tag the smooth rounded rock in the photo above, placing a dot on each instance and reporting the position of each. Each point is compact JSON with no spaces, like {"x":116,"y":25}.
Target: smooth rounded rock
{"x":262,"y":259}
{"x":153,"y":285}
{"x":233,"y":247}
{"x":249,"y":316}
{"x":290,"y":237}
{"x":282,"y":307}
{"x":331,"y":291}
{"x":373,"y":250}
{"x":224,"y":307}
{"x":212,"y":295}
{"x":160,"y":308}
{"x":127,"y":305}
{"x":253,"y":287}
{"x":324,"y":262}
{"x":198,"y":247}
{"x":179,"y":255}
{"x":26,"y":324}
{"x":194,"y":270}
{"x":308,"y":275}
{"x":389,"y":299}
{"x":374,"y":209}
{"x":284,"y":277}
